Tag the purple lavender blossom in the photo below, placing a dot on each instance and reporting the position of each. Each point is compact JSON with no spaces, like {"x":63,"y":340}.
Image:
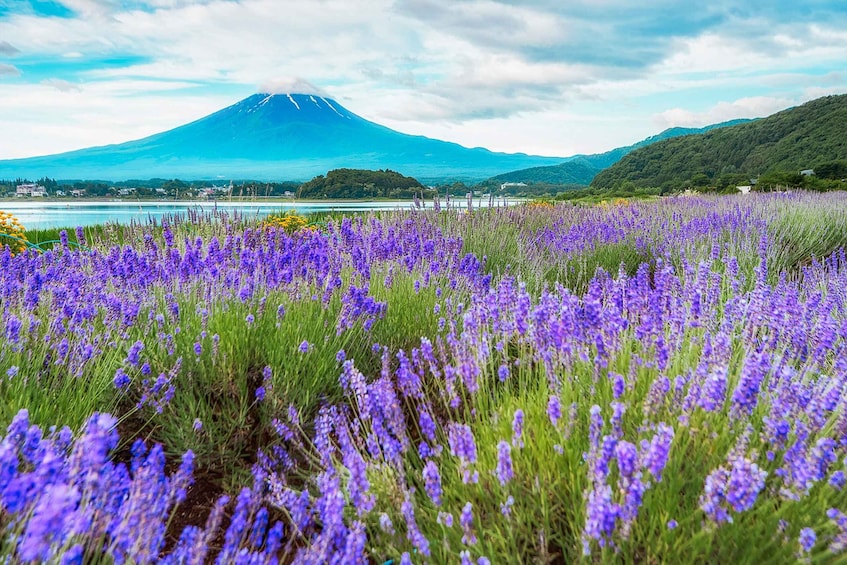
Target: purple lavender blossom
{"x":504,"y":463}
{"x":554,"y":410}
{"x":52,"y":517}
{"x":503,"y":372}
{"x":466,"y":520}
{"x":413,"y":533}
{"x":461,"y":441}
{"x":385,"y":524}
{"x":121,"y":379}
{"x":445,"y":519}
{"x":517,"y":429}
{"x":432,"y":482}
{"x":807,"y":539}
{"x":134,"y":351}
{"x":506,"y":507}
{"x":601,"y":516}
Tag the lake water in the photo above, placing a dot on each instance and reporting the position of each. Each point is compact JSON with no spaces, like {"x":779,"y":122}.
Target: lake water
{"x":58,"y":214}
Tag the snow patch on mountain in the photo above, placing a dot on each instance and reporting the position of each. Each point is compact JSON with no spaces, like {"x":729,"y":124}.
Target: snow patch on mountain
{"x":333,"y":107}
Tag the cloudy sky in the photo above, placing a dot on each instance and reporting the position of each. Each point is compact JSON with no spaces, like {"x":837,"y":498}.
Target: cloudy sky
{"x":550,"y":77}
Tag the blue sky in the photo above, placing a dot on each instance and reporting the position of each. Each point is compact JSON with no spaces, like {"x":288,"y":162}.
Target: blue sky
{"x":551,"y":77}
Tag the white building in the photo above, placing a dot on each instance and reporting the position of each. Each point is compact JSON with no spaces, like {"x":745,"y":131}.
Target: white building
{"x":30,"y":189}
{"x":506,"y":185}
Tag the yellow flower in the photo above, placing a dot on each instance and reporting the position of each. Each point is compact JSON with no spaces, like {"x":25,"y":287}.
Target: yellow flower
{"x":288,"y":222}
{"x":11,"y":227}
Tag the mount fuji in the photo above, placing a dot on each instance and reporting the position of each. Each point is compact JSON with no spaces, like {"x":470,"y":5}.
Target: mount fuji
{"x":274,"y":137}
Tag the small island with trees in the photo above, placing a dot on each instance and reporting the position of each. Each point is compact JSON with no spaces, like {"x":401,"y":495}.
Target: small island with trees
{"x":359,"y":183}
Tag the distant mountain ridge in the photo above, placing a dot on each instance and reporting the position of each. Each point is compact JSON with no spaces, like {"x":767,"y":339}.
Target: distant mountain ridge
{"x":274,"y":137}
{"x":581,"y":169}
{"x":792,"y":140}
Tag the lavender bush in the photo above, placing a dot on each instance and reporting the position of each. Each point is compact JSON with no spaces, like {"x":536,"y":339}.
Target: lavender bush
{"x":656,"y":381}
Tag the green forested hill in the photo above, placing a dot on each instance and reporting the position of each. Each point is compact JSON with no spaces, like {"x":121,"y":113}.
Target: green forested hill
{"x":578,"y":171}
{"x":359,"y":183}
{"x":805,"y":137}
{"x":581,"y":169}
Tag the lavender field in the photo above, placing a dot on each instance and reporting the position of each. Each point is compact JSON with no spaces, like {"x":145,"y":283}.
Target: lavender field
{"x":644,"y":382}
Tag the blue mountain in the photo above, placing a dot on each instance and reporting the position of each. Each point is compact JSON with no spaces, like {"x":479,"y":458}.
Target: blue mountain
{"x":274,"y":137}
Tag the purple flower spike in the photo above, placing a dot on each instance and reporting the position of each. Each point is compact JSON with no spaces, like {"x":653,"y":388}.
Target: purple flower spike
{"x":504,"y":463}
{"x":517,"y":429}
{"x":807,"y":539}
{"x":432,"y":481}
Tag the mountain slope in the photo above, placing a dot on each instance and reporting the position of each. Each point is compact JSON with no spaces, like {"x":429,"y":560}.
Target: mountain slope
{"x":273,"y":137}
{"x":581,"y":169}
{"x":791,"y":140}
{"x":574,"y":171}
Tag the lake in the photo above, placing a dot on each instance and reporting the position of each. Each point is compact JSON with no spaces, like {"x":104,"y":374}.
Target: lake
{"x":68,"y":214}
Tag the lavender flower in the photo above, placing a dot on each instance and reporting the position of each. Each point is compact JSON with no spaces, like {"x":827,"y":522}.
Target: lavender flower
{"x":503,"y":372}
{"x":517,"y":429}
{"x":837,"y":479}
{"x":386,"y":524}
{"x":432,"y":481}
{"x":504,"y":463}
{"x":462,"y":445}
{"x":807,"y":539}
{"x":554,"y":410}
{"x":412,"y":532}
{"x":134,"y":351}
{"x":466,"y":520}
{"x":506,"y":507}
{"x":121,"y":379}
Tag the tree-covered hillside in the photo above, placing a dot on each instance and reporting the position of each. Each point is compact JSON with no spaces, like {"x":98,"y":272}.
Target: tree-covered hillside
{"x":581,"y":169}
{"x":578,"y":171}
{"x":359,"y":183}
{"x":805,"y":137}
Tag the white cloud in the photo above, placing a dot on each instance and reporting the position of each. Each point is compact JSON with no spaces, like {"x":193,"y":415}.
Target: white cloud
{"x":61,"y":85}
{"x":290,"y":86}
{"x":9,"y":70}
{"x":751,"y":107}
{"x":540,"y":76}
{"x":8,"y":49}
{"x":104,"y":113}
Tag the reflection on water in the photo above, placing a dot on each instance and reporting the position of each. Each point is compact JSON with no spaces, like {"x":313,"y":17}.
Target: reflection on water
{"x":41,"y":215}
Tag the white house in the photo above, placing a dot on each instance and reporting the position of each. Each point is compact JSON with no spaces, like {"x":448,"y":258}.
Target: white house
{"x":506,"y":185}
{"x":30,"y":189}
{"x":745,"y":189}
